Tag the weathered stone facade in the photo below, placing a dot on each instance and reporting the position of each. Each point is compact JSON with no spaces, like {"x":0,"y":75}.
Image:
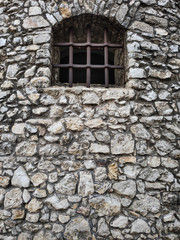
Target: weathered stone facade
{"x":79,"y":163}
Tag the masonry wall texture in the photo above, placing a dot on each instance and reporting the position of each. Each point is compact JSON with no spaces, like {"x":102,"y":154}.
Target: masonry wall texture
{"x":90,"y":163}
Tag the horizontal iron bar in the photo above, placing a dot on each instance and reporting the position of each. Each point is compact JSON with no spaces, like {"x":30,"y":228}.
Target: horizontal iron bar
{"x":86,"y":66}
{"x":112,"y":45}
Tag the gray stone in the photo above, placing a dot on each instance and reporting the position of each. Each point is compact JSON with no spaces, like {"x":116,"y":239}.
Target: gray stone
{"x":122,"y":144}
{"x":149,"y":96}
{"x":163,"y":108}
{"x":99,"y":148}
{"x":26,"y":149}
{"x":149,"y":174}
{"x":121,"y":13}
{"x":163,"y":75}
{"x":163,"y":147}
{"x":131,"y":171}
{"x":38,"y":178}
{"x":102,"y":136}
{"x":56,"y":128}
{"x":119,"y":222}
{"x":13,"y":199}
{"x":50,"y":150}
{"x":20,"y":178}
{"x":100,"y":174}
{"x":35,"y":22}
{"x":67,"y":185}
{"x":12,"y":70}
{"x":35,"y":10}
{"x":103,"y":229}
{"x":169,"y":162}
{"x":105,"y":205}
{"x":2,"y":194}
{"x":136,"y":73}
{"x":140,"y":132}
{"x":90,"y":98}
{"x":77,"y":228}
{"x":2,"y":42}
{"x":140,"y":226}
{"x":125,"y":188}
{"x":146,"y":204}
{"x":144,"y":27}
{"x":55,"y":202}
{"x":86,"y":186}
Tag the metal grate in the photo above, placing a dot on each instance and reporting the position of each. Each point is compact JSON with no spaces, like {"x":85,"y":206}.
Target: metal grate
{"x":88,"y":66}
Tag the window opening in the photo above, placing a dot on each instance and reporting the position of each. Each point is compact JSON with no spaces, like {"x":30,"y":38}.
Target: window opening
{"x":87,"y":62}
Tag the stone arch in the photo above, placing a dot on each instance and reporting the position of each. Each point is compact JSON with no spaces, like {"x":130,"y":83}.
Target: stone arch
{"x":116,"y":34}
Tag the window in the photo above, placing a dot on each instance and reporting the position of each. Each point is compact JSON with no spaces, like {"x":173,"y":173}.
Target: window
{"x":84,"y":55}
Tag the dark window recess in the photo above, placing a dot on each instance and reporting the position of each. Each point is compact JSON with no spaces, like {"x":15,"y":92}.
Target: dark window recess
{"x":90,"y":63}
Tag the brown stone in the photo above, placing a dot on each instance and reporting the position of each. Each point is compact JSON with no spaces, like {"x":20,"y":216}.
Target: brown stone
{"x":127,"y":159}
{"x":113,"y":171}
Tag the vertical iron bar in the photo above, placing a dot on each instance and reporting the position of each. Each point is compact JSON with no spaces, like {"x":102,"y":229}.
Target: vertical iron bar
{"x":106,"y":71}
{"x":88,"y":61}
{"x":71,"y":58}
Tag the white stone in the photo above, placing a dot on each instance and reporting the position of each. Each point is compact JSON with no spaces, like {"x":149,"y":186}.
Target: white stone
{"x":120,"y":15}
{"x":51,"y":19}
{"x":13,"y":199}
{"x":99,"y":148}
{"x":35,"y":22}
{"x":26,"y":196}
{"x":140,"y":226}
{"x":122,"y":144}
{"x":12,"y":70}
{"x":136,"y":73}
{"x":86,"y":186}
{"x":20,"y":178}
{"x":94,"y":123}
{"x":67,"y":185}
{"x":125,"y":188}
{"x":30,"y":72}
{"x":90,"y":98}
{"x":143,"y":27}
{"x":160,"y":74}
{"x":162,"y":2}
{"x":58,"y":204}
{"x":74,"y":124}
{"x":2,"y":42}
{"x":105,"y":205}
{"x":34,"y":205}
{"x":26,"y":149}
{"x":161,"y":31}
{"x":41,"y":38}
{"x":39,"y":110}
{"x":34,"y":11}
{"x":18,"y":128}
{"x":56,"y":128}
{"x":149,"y":2}
{"x":103,"y":229}
{"x":150,"y":46}
{"x":119,"y":222}
{"x":38,"y":178}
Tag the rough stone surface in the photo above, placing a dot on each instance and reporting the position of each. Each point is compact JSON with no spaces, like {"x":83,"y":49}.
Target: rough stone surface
{"x":20,"y":178}
{"x":89,"y":163}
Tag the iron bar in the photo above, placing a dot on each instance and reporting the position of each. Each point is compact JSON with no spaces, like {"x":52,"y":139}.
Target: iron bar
{"x":111,"y":45}
{"x":70,"y":58}
{"x":106,"y":71}
{"x":87,"y":66}
{"x":88,"y":60}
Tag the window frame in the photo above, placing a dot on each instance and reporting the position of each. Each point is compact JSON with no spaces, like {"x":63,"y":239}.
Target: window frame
{"x":88,"y":66}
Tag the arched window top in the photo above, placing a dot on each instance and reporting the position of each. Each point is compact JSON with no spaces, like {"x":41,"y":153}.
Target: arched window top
{"x":89,"y":49}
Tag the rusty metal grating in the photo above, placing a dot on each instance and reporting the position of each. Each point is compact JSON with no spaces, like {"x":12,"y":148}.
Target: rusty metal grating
{"x":88,"y":66}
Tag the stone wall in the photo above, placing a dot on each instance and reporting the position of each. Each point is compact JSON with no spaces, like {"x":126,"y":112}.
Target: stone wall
{"x":79,"y":163}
